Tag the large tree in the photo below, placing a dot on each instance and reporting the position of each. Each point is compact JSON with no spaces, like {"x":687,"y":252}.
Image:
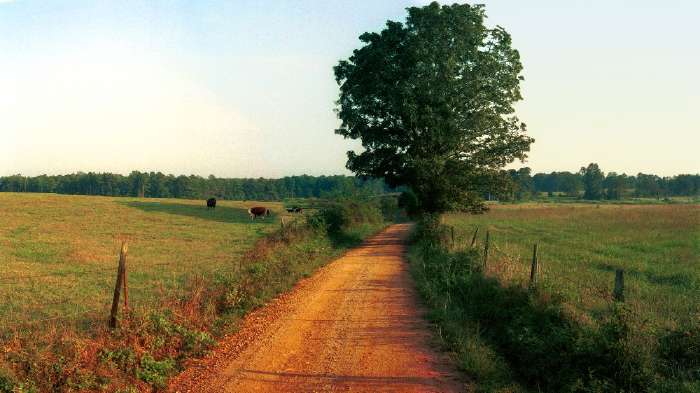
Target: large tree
{"x":432,"y":102}
{"x":592,"y":181}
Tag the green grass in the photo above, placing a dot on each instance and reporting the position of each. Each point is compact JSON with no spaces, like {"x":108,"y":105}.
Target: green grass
{"x":59,"y":253}
{"x":193,"y":274}
{"x":580,"y":246}
{"x":566,"y":334}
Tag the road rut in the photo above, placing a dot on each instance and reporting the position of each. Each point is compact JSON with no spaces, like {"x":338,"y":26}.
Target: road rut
{"x":354,"y":326}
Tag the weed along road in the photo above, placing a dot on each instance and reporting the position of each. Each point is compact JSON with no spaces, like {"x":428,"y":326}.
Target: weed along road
{"x":354,"y":326}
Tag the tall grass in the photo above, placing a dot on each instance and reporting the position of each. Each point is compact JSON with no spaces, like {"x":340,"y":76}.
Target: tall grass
{"x":511,"y":338}
{"x":581,"y":246}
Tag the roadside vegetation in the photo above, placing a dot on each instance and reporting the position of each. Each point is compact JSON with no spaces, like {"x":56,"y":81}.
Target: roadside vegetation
{"x":581,"y":245}
{"x":566,"y":334}
{"x":212,"y":279}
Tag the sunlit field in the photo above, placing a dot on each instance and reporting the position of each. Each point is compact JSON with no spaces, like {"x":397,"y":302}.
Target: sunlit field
{"x":59,"y":254}
{"x":581,"y":246}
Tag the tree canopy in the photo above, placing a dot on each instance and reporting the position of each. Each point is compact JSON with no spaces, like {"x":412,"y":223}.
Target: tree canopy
{"x":432,"y":102}
{"x":523,"y":185}
{"x":159,"y":185}
{"x":592,"y":181}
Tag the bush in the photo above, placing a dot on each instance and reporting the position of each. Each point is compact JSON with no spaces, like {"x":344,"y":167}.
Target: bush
{"x":389,"y":206}
{"x":409,"y":202}
{"x":6,"y":381}
{"x":341,"y":215}
{"x":155,"y":372}
{"x":679,"y":351}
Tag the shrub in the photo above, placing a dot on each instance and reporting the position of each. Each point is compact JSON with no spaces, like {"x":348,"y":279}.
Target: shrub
{"x":389,"y":206}
{"x":341,"y":215}
{"x":155,"y":372}
{"x":409,"y":202}
{"x":679,"y":352}
{"x":191,"y":342}
{"x":6,"y":381}
{"x":123,"y":358}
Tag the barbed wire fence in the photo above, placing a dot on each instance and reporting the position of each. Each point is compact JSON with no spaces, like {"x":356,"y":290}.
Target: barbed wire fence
{"x":67,"y":309}
{"x":116,"y":297}
{"x":514,"y":268}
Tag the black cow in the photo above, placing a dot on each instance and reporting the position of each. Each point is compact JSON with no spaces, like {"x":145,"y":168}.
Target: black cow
{"x":211,"y":203}
{"x":295,"y":210}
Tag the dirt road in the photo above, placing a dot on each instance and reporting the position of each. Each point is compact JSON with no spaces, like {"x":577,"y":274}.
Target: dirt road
{"x":355,"y":326}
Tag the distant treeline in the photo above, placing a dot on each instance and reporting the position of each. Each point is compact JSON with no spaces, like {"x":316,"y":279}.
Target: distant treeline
{"x":588,"y":183}
{"x":159,"y":185}
{"x":591,"y":183}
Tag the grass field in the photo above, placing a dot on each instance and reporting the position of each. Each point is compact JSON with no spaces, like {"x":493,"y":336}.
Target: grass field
{"x":59,"y":253}
{"x":566,"y":334}
{"x":193,"y":273}
{"x":580,"y":246}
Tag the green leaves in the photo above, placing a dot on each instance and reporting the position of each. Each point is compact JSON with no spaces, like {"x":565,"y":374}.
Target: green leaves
{"x":431,"y":101}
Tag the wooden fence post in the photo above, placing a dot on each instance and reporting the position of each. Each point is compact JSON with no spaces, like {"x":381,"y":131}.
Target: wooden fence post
{"x":474,"y":237}
{"x":122,"y":255}
{"x":452,"y":235}
{"x":118,"y":286}
{"x":534,"y":269}
{"x":619,"y":291}
{"x":282,"y":222}
{"x":486,"y":250}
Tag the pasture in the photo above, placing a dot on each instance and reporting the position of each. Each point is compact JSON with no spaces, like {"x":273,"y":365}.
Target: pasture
{"x":581,"y":246}
{"x":59,"y":253}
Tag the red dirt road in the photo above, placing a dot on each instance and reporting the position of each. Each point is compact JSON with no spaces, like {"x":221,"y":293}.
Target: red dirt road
{"x":355,"y":326}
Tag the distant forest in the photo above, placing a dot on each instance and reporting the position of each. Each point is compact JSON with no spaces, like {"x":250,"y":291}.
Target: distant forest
{"x":592,"y":183}
{"x":159,"y":185}
{"x":588,"y":183}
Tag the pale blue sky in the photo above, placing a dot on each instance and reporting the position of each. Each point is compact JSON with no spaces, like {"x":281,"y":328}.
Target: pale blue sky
{"x":245,"y":88}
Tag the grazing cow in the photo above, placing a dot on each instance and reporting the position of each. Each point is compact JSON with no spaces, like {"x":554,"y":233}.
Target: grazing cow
{"x":295,"y":210}
{"x":211,"y":202}
{"x":258,"y":211}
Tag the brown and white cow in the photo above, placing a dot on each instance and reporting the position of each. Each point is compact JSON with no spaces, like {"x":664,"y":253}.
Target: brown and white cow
{"x":258,"y":211}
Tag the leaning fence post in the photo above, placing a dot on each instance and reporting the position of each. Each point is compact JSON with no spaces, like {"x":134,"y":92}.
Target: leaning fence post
{"x":486,"y":249}
{"x":452,"y":235}
{"x":122,"y":255}
{"x":619,"y":291}
{"x":474,"y":237}
{"x":534,"y":269}
{"x":118,"y":286}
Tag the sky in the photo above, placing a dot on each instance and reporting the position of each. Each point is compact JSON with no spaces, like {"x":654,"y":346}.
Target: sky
{"x":246,"y":88}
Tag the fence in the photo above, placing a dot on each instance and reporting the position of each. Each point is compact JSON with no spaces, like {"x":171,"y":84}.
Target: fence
{"x":89,"y":311}
{"x":116,"y":296}
{"x":497,"y":262}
